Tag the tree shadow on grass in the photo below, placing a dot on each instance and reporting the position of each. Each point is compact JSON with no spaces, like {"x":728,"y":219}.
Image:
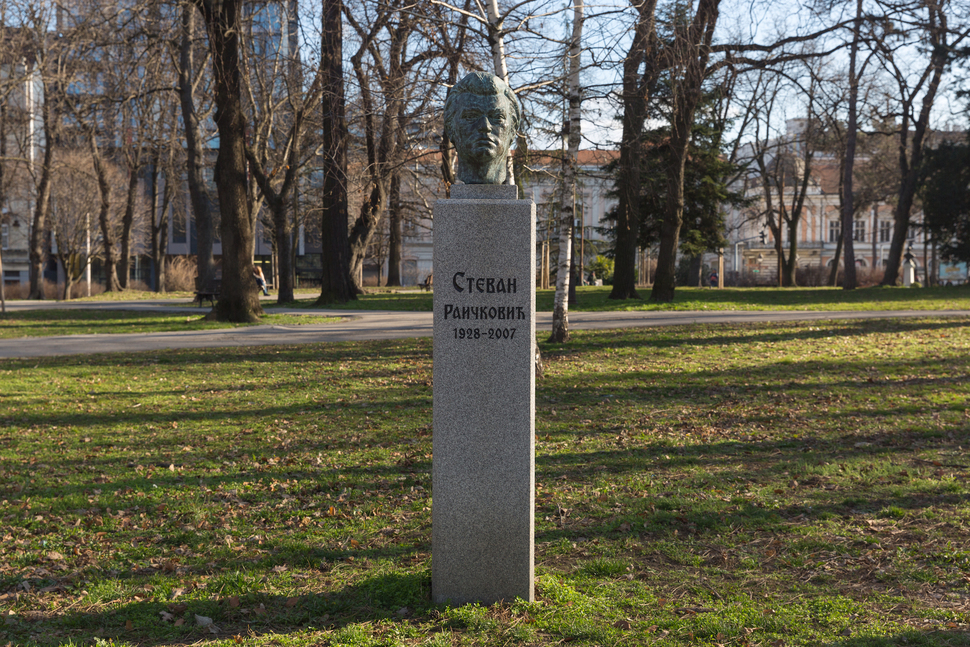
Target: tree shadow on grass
{"x":932,"y":638}
{"x":748,"y":333}
{"x":394,"y":597}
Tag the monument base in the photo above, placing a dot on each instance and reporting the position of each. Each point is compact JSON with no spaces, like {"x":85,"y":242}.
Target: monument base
{"x":483,"y":468}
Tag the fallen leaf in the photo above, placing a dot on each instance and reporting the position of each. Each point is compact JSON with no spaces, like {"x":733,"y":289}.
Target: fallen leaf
{"x":166,"y":616}
{"x":233,"y":601}
{"x":203,"y":621}
{"x":128,"y":625}
{"x":622,"y":624}
{"x":260,"y":610}
{"x":292,"y":602}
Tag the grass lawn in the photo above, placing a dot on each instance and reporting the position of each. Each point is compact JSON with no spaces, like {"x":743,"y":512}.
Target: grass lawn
{"x":800,"y":484}
{"x":592,"y":299}
{"x":47,"y":323}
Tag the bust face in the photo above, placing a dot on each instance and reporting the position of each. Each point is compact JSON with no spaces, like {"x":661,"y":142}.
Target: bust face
{"x":481,"y":118}
{"x":484,"y":128}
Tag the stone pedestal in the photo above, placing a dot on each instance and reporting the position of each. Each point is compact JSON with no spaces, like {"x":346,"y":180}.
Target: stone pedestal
{"x":483,"y":474}
{"x":909,"y":273}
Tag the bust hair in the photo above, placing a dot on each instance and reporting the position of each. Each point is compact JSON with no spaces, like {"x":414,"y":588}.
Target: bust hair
{"x":481,"y":84}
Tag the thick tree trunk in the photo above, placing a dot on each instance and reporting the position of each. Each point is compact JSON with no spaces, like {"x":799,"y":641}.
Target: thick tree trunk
{"x":238,"y":300}
{"x":38,"y":231}
{"x":283,"y":228}
{"x":336,"y":285}
{"x":195,"y":156}
{"x":665,"y":279}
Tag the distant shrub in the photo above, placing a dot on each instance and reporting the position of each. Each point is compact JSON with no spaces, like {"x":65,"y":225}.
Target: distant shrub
{"x":603,"y":268}
{"x":180,"y":273}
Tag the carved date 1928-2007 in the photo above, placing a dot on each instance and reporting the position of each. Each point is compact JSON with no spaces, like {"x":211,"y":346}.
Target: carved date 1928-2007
{"x":484,"y":333}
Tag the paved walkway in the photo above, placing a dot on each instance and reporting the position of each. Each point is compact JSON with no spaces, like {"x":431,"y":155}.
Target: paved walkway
{"x":361,"y":325}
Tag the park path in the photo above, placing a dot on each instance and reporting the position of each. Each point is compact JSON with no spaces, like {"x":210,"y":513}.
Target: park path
{"x":364,"y":325}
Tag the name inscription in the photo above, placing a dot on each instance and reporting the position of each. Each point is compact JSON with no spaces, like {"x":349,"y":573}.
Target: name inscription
{"x":470,"y":285}
{"x":483,"y":285}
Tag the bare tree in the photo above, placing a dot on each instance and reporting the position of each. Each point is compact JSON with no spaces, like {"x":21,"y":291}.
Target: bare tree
{"x":46,"y":52}
{"x":940,"y":27}
{"x":282,"y":111}
{"x":189,"y":80}
{"x":238,"y":300}
{"x":560,"y":315}
{"x":77,"y":218}
{"x":640,"y":72}
{"x":396,"y":76}
{"x":336,"y":284}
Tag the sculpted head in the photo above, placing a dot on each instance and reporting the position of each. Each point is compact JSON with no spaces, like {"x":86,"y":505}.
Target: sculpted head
{"x":482,"y":117}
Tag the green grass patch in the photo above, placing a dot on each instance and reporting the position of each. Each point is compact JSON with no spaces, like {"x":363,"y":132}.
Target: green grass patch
{"x":596,"y":299}
{"x":47,"y":323}
{"x":801,"y":484}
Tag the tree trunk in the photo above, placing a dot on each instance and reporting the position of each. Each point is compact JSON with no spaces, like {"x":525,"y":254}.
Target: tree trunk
{"x":126,"y":225}
{"x":283,"y":229}
{"x":665,"y":279}
{"x":911,"y":164}
{"x":68,"y":276}
{"x":153,"y":223}
{"x":336,"y":285}
{"x":38,"y":240}
{"x":3,"y":156}
{"x":238,"y":300}
{"x":565,"y":287}
{"x":834,"y":272}
{"x":108,"y":241}
{"x":791,"y":263}
{"x":849,"y":277}
{"x":637,"y":86}
{"x":195,"y":156}
{"x":695,"y":43}
{"x":395,"y":238}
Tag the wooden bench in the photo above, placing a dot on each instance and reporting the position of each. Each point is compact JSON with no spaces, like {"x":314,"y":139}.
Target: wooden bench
{"x":428,"y":283}
{"x":208,"y":294}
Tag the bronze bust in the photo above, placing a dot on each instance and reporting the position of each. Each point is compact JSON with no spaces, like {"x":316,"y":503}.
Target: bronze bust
{"x":482,"y":117}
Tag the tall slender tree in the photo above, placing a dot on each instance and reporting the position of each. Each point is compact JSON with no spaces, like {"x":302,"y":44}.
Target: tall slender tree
{"x":336,"y":284}
{"x":560,"y":315}
{"x":238,"y":300}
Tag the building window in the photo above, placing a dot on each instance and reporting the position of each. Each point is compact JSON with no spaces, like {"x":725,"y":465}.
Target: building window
{"x":859,"y":233}
{"x":4,"y":236}
{"x":911,"y":233}
{"x":885,"y":231}
{"x":834,"y":228}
